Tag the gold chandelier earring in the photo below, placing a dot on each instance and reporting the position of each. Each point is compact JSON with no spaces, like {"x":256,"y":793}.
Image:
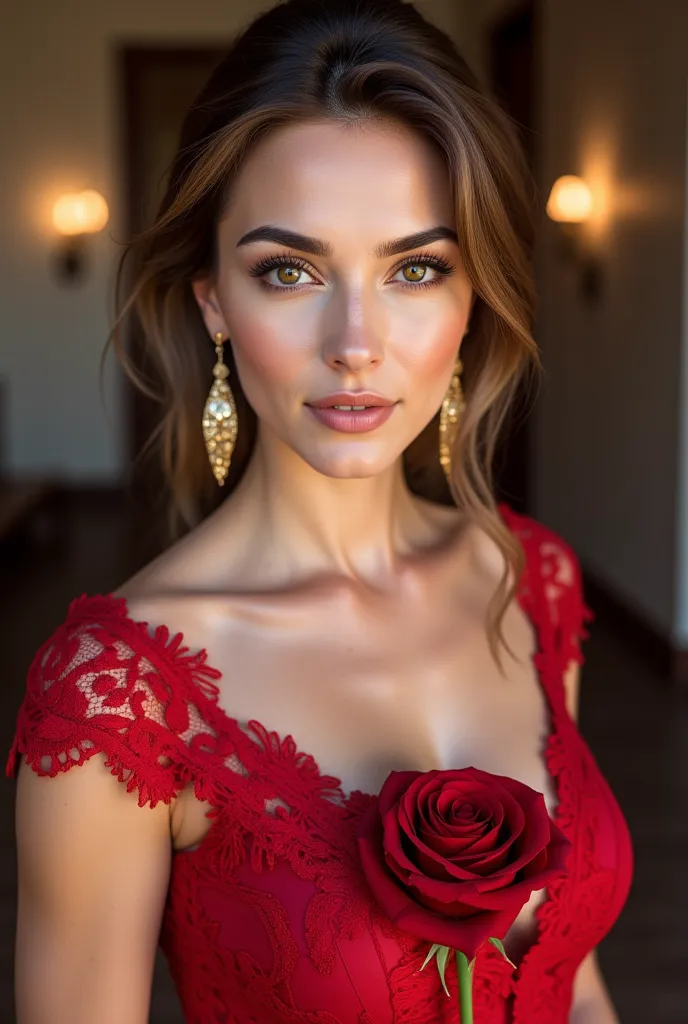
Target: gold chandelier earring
{"x":452,"y":407}
{"x":220,"y":423}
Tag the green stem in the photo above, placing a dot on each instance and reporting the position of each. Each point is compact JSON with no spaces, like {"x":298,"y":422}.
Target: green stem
{"x":465,"y":988}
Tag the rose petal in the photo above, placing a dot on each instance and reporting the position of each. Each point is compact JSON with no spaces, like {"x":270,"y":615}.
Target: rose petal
{"x":534,"y":837}
{"x":467,"y":934}
{"x":496,"y":856}
{"x":388,"y":893}
{"x":425,"y":862}
{"x":531,"y":813}
{"x":449,"y":825}
{"x":426,"y":856}
{"x":394,"y":786}
{"x":438,"y":848}
{"x":394,"y":846}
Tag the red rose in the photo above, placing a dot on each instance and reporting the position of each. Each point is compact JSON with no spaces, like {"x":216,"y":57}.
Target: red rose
{"x":453,"y":856}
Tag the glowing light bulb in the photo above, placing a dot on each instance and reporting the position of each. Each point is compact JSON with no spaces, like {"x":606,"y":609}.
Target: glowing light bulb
{"x":570,"y":200}
{"x":80,"y":213}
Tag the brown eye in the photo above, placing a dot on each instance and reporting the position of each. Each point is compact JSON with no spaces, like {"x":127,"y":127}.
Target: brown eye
{"x":416,"y":271}
{"x":288,"y":274}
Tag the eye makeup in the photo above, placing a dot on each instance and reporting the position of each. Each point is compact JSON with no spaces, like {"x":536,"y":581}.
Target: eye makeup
{"x":265,"y":264}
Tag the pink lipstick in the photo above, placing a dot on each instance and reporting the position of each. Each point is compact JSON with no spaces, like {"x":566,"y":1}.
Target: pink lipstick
{"x":352,"y":412}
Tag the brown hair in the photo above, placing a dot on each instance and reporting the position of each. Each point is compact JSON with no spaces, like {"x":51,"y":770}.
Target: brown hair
{"x":344,"y":60}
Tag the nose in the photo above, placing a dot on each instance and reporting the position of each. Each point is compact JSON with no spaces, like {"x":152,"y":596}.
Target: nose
{"x":354,"y":345}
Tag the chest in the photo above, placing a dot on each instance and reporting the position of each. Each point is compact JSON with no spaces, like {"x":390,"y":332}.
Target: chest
{"x":386,"y":685}
{"x":382,"y":687}
{"x":365,"y":696}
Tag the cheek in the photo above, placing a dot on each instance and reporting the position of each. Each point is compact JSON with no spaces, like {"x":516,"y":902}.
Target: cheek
{"x":428,"y":335}
{"x":268,"y":354}
{"x":266,"y":349}
{"x":431,"y":352}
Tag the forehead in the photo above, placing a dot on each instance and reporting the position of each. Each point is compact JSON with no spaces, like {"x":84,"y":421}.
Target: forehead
{"x":366,"y":179}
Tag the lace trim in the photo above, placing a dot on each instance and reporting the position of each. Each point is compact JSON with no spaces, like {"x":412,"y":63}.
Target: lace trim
{"x":101,"y":684}
{"x":567,"y":928}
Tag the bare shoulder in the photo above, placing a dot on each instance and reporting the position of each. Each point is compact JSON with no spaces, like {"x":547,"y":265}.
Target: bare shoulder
{"x":155,"y":577}
{"x":219,"y":554}
{"x":177,"y":570}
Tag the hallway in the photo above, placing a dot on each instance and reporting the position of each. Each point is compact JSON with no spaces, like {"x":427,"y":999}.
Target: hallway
{"x":636,"y":728}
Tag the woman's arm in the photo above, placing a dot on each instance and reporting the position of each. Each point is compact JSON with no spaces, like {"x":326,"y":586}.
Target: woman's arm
{"x":93,"y":876}
{"x":592,"y":1003}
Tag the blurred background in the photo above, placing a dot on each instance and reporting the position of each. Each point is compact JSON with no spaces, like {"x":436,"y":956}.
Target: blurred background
{"x":92,"y":100}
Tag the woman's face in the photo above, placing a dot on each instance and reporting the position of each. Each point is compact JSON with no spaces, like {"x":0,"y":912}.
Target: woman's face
{"x":354,"y":304}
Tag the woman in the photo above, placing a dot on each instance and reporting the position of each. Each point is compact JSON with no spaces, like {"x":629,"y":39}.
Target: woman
{"x":346,"y":226}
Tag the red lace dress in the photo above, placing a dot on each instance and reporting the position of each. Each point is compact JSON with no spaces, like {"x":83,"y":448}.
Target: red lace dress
{"x":269,"y":920}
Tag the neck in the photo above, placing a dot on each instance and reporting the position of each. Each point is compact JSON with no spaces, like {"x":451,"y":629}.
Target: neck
{"x":296,"y":520}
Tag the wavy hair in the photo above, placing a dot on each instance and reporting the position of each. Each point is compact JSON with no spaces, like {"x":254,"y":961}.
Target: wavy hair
{"x":347,"y":61}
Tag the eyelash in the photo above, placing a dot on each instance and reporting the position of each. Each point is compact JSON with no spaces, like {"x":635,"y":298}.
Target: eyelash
{"x":267,"y":263}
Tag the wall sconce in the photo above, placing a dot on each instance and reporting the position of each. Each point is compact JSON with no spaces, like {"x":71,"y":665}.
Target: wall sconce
{"x":570,"y":205}
{"x":75,"y":216}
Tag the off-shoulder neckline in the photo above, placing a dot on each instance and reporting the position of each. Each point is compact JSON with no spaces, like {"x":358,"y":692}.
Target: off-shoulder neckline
{"x":195,"y":663}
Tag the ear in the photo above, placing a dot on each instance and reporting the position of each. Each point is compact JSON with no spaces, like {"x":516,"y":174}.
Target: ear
{"x":206,"y":297}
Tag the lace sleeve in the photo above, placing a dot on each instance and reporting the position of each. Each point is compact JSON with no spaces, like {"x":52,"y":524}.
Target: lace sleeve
{"x":562,"y":582}
{"x":553,"y":585}
{"x":92,"y":687}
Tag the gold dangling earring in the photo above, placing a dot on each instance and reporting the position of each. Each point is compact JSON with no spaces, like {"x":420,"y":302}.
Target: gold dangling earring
{"x":452,"y":407}
{"x":220,"y":423}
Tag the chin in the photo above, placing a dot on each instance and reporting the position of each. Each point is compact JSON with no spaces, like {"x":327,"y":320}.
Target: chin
{"x":350,"y":468}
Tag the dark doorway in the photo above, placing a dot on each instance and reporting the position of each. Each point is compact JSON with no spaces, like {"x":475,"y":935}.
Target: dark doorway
{"x":158,"y":85}
{"x":512,"y":62}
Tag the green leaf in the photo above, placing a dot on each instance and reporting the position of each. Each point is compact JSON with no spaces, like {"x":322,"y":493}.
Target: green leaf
{"x":442,"y":955}
{"x":431,"y":954}
{"x":471,"y":966}
{"x":500,"y":947}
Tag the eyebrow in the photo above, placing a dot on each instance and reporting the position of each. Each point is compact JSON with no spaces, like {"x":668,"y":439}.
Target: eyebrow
{"x":305,"y":243}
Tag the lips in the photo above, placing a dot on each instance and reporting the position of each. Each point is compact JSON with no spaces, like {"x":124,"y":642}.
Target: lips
{"x":349,"y":399}
{"x":359,"y":421}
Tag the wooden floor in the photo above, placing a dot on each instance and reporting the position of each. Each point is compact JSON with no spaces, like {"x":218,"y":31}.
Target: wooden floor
{"x":637,"y":729}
